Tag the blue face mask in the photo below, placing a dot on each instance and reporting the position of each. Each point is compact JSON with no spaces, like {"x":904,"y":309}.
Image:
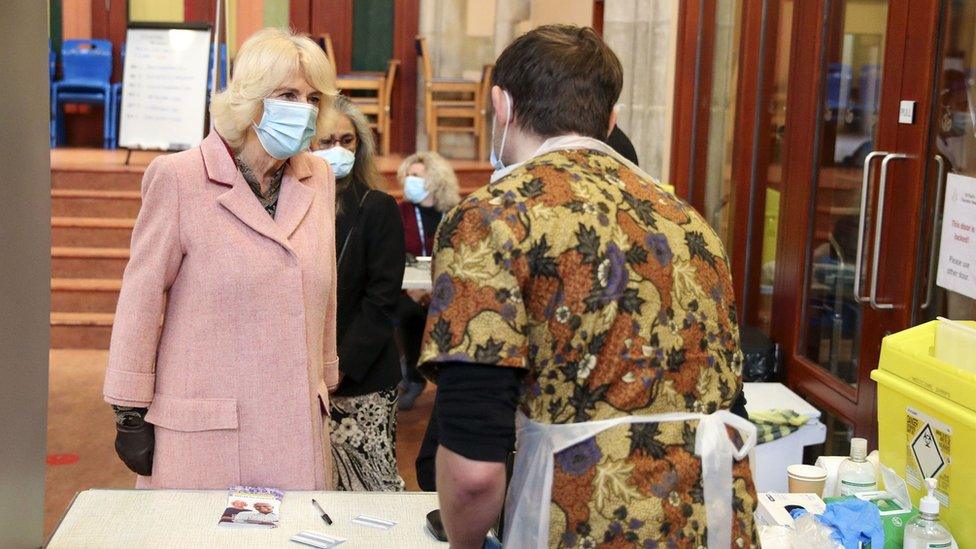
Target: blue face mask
{"x":414,"y":189}
{"x":286,"y":127}
{"x":340,"y":158}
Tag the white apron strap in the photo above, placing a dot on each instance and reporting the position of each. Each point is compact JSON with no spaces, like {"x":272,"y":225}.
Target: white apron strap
{"x":716,"y":451}
{"x":530,"y":490}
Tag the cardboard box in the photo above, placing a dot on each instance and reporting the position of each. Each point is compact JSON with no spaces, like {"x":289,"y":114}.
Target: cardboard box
{"x":894,"y":515}
{"x":773,"y":509}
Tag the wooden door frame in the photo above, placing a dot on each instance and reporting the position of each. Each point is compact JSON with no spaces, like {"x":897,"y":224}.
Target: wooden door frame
{"x":750,"y":153}
{"x":796,"y":205}
{"x":801,"y":166}
{"x":598,"y":9}
{"x":692,"y":99}
{"x":690,"y":130}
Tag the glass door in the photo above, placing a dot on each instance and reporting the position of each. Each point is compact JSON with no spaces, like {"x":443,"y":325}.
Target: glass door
{"x":951,"y":150}
{"x":852,"y":203}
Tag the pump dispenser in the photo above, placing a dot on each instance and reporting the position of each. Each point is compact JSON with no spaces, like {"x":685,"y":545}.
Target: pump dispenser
{"x":856,"y":473}
{"x":926,"y":531}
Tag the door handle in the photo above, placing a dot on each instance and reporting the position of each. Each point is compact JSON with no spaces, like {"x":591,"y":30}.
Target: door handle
{"x":935,"y":226}
{"x":865,"y":182}
{"x":878,"y":221}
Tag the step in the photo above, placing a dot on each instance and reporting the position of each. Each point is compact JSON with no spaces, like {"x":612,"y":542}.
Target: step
{"x":95,"y":203}
{"x":67,"y":262}
{"x":85,"y":295}
{"x":83,"y":178}
{"x":106,"y":232}
{"x":81,"y":330}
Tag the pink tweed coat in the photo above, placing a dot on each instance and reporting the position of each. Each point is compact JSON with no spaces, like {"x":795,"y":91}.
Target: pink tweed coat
{"x":236,"y":378}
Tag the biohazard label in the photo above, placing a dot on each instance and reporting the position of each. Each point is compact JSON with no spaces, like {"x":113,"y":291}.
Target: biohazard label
{"x":929,"y":446}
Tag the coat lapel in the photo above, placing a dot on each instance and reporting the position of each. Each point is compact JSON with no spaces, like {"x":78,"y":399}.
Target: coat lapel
{"x":294,"y":199}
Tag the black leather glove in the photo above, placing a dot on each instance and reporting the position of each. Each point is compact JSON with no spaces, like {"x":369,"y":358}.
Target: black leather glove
{"x":135,"y":439}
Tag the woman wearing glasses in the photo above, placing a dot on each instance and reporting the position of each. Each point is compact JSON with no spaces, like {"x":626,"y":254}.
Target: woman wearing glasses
{"x":369,"y":238}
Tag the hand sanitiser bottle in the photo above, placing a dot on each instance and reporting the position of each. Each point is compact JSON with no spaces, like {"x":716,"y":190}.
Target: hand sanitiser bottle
{"x":856,"y":473}
{"x":926,"y":531}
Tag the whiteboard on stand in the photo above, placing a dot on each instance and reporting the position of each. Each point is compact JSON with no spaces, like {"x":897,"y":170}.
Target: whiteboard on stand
{"x":164,"y":86}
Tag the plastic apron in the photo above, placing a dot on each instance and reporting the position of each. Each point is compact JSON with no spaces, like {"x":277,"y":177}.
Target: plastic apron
{"x":530,"y":490}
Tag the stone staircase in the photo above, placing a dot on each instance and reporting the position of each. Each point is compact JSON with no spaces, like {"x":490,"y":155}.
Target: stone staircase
{"x":92,"y":215}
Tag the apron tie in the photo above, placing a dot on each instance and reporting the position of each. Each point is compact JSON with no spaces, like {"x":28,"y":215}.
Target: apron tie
{"x":713,"y":446}
{"x":530,"y":490}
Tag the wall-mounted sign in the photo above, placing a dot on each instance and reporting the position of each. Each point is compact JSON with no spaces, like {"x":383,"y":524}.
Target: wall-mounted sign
{"x":957,"y":253}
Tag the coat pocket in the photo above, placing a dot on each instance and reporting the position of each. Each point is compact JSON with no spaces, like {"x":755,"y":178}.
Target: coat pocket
{"x":323,"y":391}
{"x":197,"y":442}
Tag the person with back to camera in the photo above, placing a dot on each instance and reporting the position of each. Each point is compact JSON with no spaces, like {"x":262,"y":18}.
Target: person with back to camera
{"x":576,"y":290}
{"x":234,"y":249}
{"x":430,"y":188}
{"x":369,"y":237}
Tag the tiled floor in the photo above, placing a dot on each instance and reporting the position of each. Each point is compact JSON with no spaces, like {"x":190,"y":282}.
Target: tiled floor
{"x":81,"y":424}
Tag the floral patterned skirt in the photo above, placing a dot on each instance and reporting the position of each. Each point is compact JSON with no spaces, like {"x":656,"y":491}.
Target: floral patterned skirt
{"x":363,"y":436}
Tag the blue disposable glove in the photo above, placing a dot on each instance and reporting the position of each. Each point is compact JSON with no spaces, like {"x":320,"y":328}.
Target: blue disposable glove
{"x":853,"y":521}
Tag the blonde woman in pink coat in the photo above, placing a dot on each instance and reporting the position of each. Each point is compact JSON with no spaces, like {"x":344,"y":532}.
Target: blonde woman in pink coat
{"x":224,"y":351}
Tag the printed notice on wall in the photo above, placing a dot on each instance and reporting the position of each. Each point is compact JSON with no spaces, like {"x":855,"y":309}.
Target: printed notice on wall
{"x":164,"y":87}
{"x":957,"y":253}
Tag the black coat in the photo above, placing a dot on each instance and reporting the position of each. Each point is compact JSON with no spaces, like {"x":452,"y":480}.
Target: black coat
{"x":370,"y":276}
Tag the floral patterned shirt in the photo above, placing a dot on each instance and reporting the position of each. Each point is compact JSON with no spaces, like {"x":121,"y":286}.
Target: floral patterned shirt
{"x":616,"y":298}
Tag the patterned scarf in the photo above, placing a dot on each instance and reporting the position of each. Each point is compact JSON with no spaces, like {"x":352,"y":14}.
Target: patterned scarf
{"x":269,"y":200}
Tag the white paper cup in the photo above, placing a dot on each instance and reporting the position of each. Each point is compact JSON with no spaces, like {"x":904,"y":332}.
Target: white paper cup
{"x":806,"y":479}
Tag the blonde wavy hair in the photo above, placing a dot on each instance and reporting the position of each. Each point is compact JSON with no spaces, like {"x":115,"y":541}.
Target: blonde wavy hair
{"x":439,"y":178}
{"x":265,"y":60}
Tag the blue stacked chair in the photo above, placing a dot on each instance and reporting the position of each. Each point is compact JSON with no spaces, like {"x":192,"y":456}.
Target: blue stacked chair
{"x":222,"y":71}
{"x":117,"y":103}
{"x":86,"y":66}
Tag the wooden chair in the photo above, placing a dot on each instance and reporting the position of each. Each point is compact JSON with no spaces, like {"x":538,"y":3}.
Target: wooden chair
{"x":377,"y":87}
{"x":483,"y":101}
{"x":325,"y":41}
{"x":378,"y":108}
{"x":450,"y":98}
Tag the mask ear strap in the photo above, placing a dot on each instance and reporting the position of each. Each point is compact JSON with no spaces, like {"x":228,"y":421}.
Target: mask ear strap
{"x":508,"y":120}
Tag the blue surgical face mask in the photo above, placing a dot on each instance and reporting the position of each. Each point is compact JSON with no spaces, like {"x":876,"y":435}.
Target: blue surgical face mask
{"x":340,"y":158}
{"x":496,"y":159}
{"x":286,"y":127}
{"x":414,"y":189}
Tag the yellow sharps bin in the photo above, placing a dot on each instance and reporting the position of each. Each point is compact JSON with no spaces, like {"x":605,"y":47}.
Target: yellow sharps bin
{"x":927,"y":424}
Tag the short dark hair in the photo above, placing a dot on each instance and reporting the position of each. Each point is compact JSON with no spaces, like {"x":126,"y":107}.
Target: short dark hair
{"x":563,"y":79}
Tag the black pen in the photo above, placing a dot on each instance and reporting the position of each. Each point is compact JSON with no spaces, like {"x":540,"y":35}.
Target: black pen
{"x":325,"y":515}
